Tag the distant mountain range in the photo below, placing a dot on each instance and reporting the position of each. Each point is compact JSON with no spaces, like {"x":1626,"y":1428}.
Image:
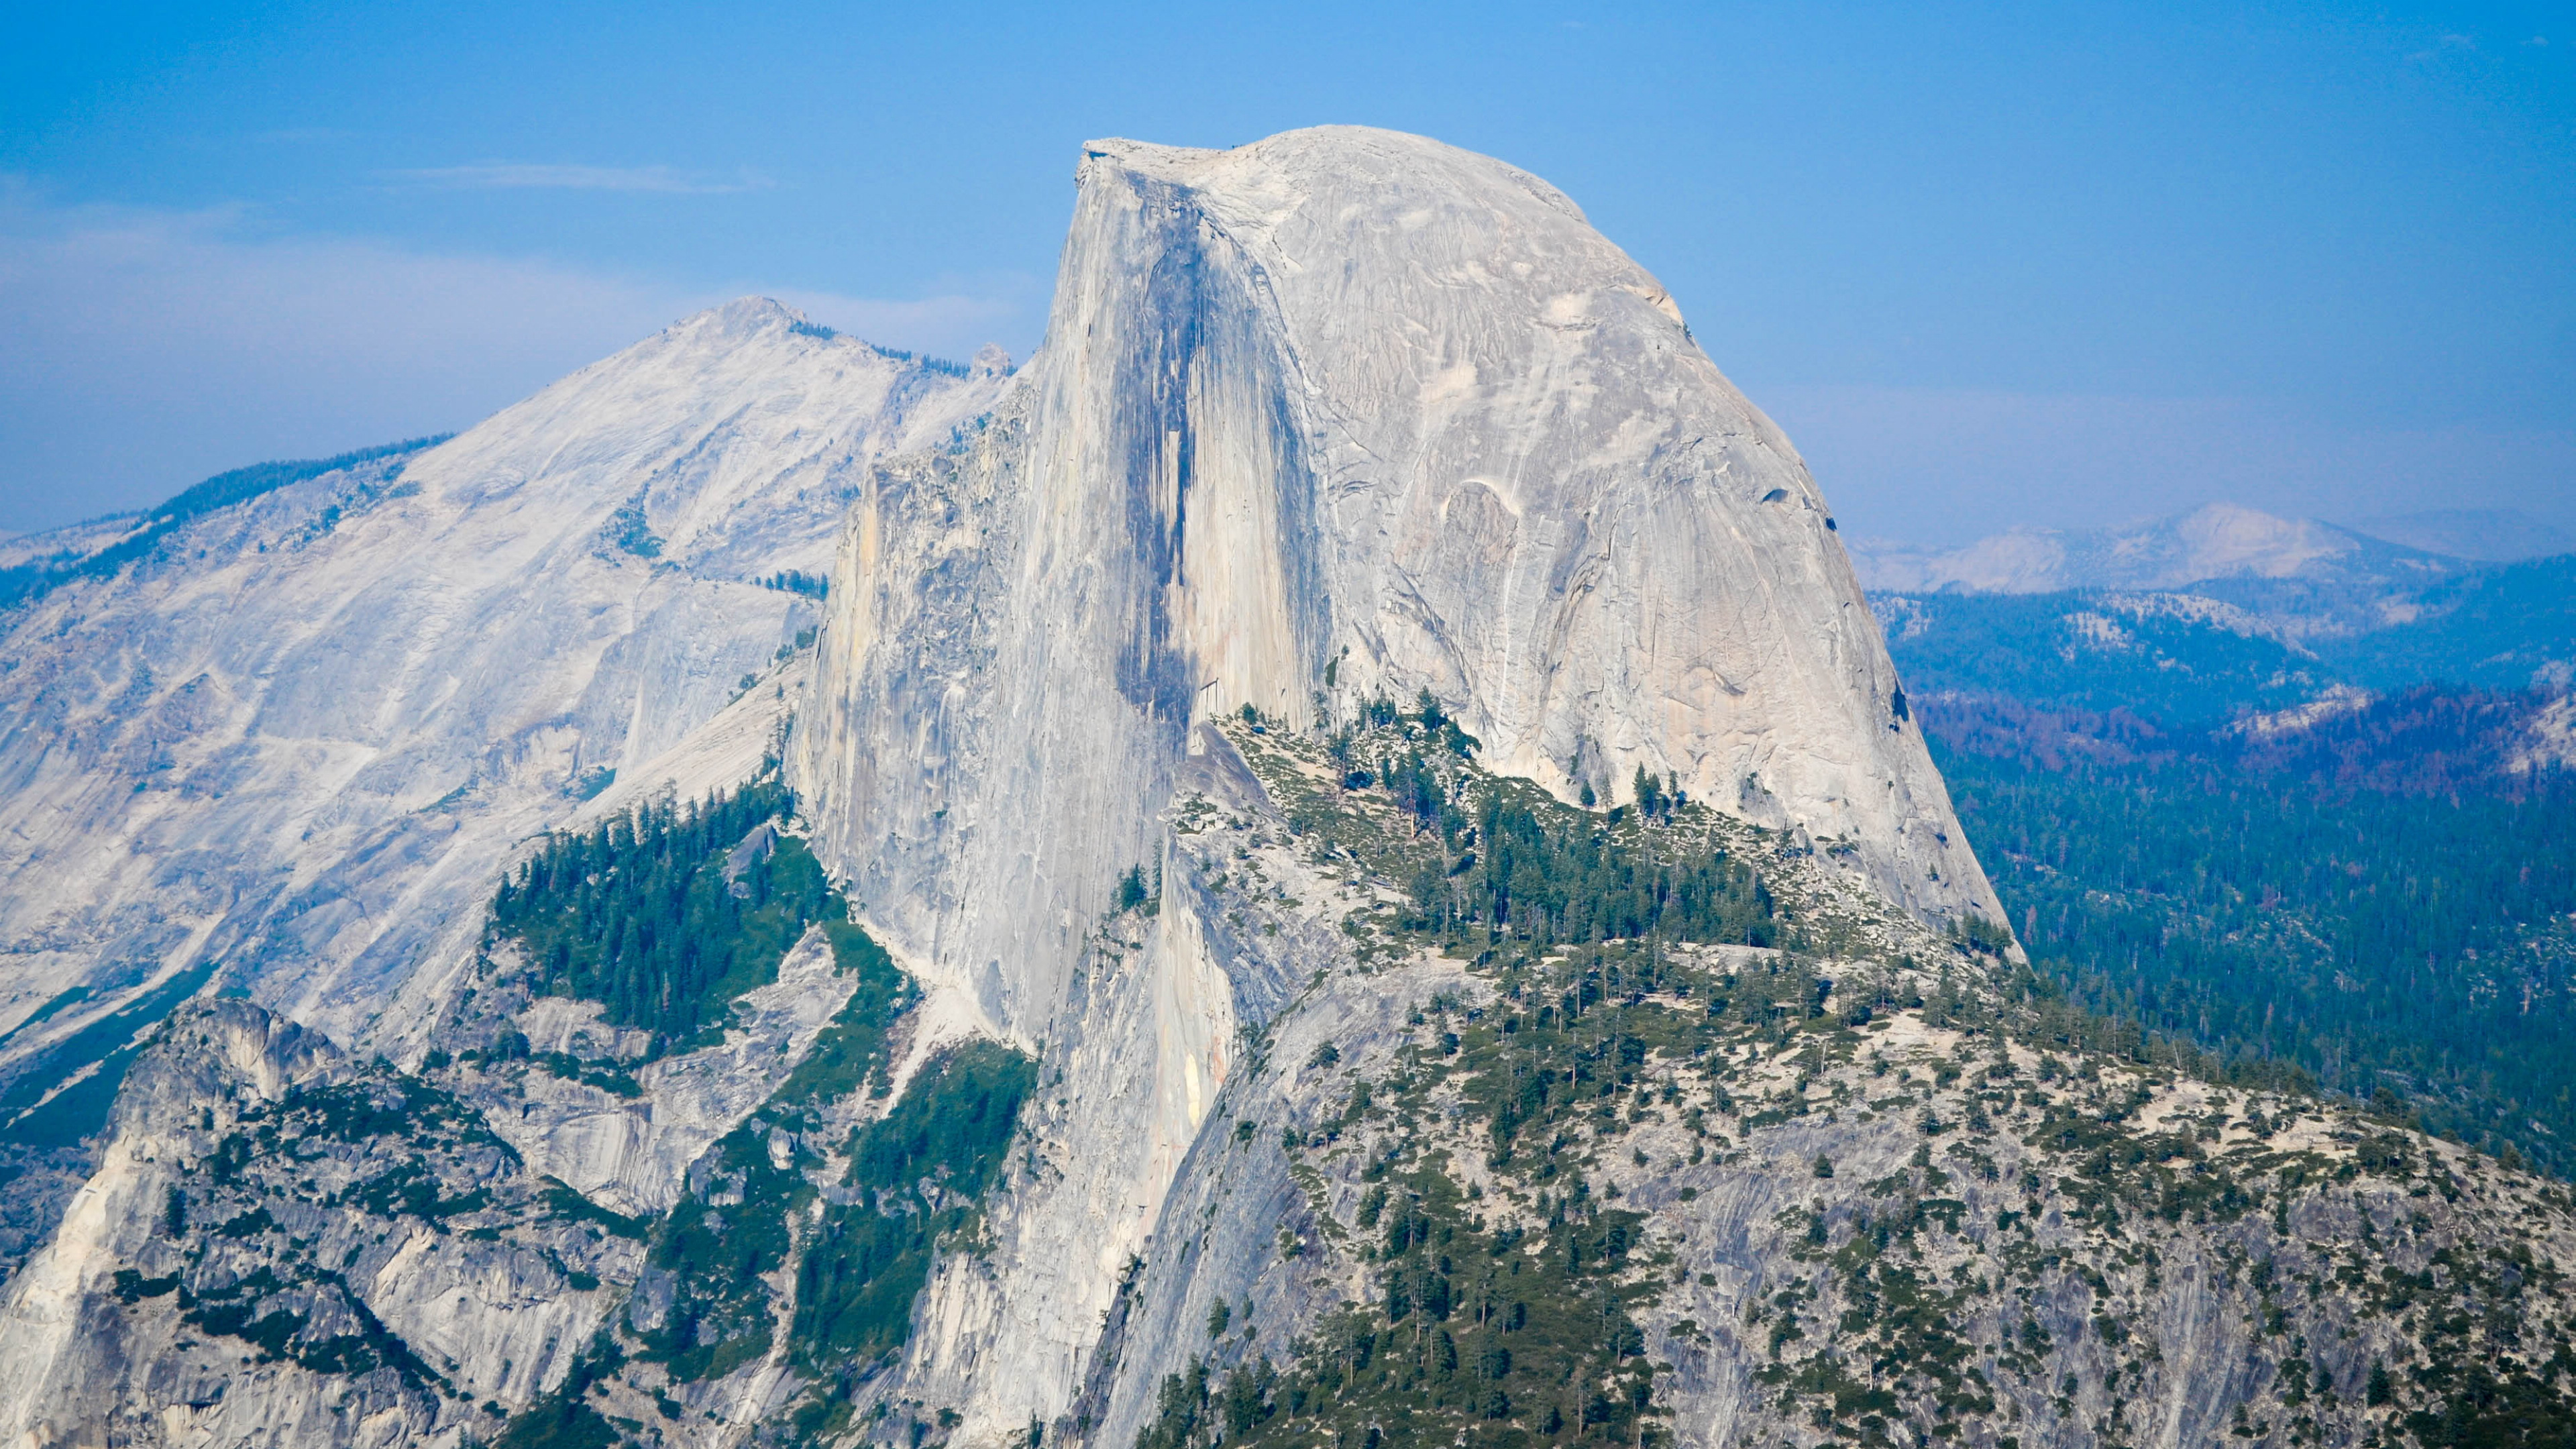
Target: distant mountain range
{"x":2217,"y":614}
{"x":2294,"y":790}
{"x":2216,"y":541}
{"x":2494,"y":535}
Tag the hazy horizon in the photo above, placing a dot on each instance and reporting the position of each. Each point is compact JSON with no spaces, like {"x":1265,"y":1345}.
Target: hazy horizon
{"x":1985,"y":268}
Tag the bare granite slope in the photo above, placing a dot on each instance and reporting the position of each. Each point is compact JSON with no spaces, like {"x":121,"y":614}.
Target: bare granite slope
{"x":290,"y":750}
{"x":260,"y":744}
{"x":1341,"y":414}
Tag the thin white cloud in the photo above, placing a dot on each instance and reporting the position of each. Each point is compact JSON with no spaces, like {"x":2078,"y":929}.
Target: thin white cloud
{"x":148,"y":349}
{"x":541,"y":176}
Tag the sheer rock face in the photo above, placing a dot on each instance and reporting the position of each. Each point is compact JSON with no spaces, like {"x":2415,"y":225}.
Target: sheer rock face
{"x":303,"y":735}
{"x":1340,"y":414}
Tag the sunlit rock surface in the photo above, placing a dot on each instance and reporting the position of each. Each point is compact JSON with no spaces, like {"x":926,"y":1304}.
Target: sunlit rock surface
{"x":1338,"y":416}
{"x":304,"y":735}
{"x":300,"y":741}
{"x":426,"y":1318}
{"x":1341,"y":414}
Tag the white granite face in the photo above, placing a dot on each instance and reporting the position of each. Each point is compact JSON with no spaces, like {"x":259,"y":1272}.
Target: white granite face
{"x":301,"y":740}
{"x":1340,"y":414}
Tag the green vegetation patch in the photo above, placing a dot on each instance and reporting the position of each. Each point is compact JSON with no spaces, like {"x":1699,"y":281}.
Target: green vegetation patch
{"x":921,"y":1172}
{"x":2481,"y":1409}
{"x":718,"y":1245}
{"x":905,"y":1185}
{"x":252,"y":1311}
{"x":564,"y":1418}
{"x":850,"y":1052}
{"x":1481,"y":857}
{"x":666,"y":915}
{"x":2410,"y":946}
{"x":723,"y":1243}
{"x":1499,"y":1337}
{"x":564,"y":1202}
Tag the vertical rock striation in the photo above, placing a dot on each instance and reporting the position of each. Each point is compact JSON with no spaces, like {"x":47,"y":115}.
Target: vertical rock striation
{"x":1339,"y":416}
{"x":1343,"y":413}
{"x":1390,"y":1098}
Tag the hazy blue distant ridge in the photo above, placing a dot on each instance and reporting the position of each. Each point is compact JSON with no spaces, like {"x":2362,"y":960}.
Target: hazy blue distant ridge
{"x":2504,"y":628}
{"x":31,"y":581}
{"x":243,"y":484}
{"x":2189,"y":661}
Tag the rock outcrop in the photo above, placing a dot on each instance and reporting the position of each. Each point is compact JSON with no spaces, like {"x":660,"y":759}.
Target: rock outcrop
{"x":1392,"y":894}
{"x":281,"y":1247}
{"x":1340,"y":415}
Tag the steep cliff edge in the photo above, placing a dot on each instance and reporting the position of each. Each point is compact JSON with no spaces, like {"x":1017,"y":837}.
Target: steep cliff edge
{"x":1360,"y":491}
{"x":1338,"y":418}
{"x":1381,"y":891}
{"x":1338,"y":415}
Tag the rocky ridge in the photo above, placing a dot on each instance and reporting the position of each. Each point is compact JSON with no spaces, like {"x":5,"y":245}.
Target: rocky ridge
{"x":1381,"y":887}
{"x":289,"y":750}
{"x":1226,"y":481}
{"x":1870,"y":1188}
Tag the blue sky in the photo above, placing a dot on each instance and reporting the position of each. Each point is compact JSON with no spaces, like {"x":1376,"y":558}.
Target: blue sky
{"x":2060,"y":264}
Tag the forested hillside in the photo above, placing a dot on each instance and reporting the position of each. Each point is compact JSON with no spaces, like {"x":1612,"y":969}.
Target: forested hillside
{"x":2401,"y":945}
{"x":2206,"y":826}
{"x":2496,"y":629}
{"x":1616,"y":1191}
